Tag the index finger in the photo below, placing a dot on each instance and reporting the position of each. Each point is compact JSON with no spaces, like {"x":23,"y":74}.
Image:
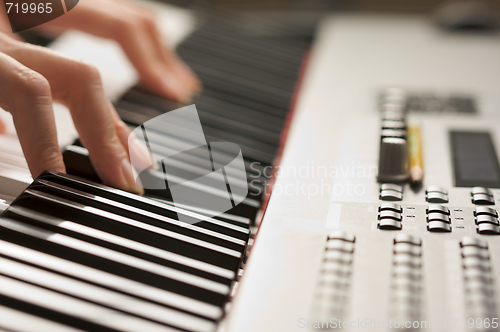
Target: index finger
{"x":26,"y":94}
{"x":78,"y":86}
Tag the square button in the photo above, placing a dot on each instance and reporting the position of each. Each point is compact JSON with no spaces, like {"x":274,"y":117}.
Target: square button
{"x":438,"y":226}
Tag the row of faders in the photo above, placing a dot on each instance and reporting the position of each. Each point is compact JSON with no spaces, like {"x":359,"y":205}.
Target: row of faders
{"x":406,"y":278}
{"x":333,"y":284}
{"x":393,"y":158}
{"x":478,"y":280}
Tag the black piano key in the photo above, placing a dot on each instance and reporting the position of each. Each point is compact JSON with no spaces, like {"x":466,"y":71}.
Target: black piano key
{"x":103,"y":297}
{"x":228,"y":218}
{"x":231,"y":237}
{"x":251,"y":44}
{"x":250,"y":148}
{"x":238,"y":50}
{"x":247,"y":208}
{"x":233,"y":66}
{"x":178,"y":173}
{"x":194,"y":232}
{"x":177,"y":167}
{"x":113,"y":262}
{"x":268,"y":30}
{"x":110,"y":281}
{"x":275,"y":66}
{"x":159,"y":140}
{"x":269,"y":115}
{"x":256,"y":189}
{"x":215,"y":107}
{"x":242,"y":87}
{"x":254,"y":170}
{"x":246,"y":101}
{"x":156,"y":133}
{"x":179,"y":164}
{"x":153,"y":205}
{"x":218,"y":122}
{"x":77,"y":161}
{"x":266,"y":127}
{"x":245,"y":211}
{"x":164,"y":143}
{"x":130,"y":247}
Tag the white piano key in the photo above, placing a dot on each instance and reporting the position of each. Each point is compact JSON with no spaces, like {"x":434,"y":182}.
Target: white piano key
{"x":103,"y":296}
{"x":19,"y":321}
{"x":117,"y":257}
{"x":81,"y":229}
{"x":78,"y":308}
{"x":149,"y":250}
{"x":110,"y":280}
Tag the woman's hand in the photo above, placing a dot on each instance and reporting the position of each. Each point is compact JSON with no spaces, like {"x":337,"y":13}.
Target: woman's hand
{"x":31,"y":79}
{"x":134,"y":28}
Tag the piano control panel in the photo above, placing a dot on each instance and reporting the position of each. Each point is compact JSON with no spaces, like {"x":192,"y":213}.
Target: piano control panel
{"x":422,"y":231}
{"x":392,"y":219}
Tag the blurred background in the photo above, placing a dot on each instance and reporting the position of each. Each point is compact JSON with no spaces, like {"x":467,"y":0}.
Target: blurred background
{"x":300,"y":17}
{"x":327,"y":5}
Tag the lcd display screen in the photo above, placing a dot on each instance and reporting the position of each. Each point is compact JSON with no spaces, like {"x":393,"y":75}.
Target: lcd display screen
{"x":475,"y":161}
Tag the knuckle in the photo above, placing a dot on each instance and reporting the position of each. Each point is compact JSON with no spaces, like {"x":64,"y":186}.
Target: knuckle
{"x":83,"y":79}
{"x":87,"y":73}
{"x":50,"y":155}
{"x":125,"y":29}
{"x":147,"y":21}
{"x":130,"y":25}
{"x":141,"y":23}
{"x":32,"y":83}
{"x":123,"y":26}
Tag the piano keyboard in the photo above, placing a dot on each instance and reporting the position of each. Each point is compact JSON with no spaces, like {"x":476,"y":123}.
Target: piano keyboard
{"x":186,"y":270}
{"x":245,"y":100}
{"x":76,"y":255}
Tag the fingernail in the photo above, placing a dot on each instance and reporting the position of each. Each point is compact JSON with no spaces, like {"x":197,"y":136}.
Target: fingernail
{"x":130,"y":176}
{"x":188,"y":77}
{"x":199,"y":87}
{"x":174,"y":87}
{"x":140,"y":154}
